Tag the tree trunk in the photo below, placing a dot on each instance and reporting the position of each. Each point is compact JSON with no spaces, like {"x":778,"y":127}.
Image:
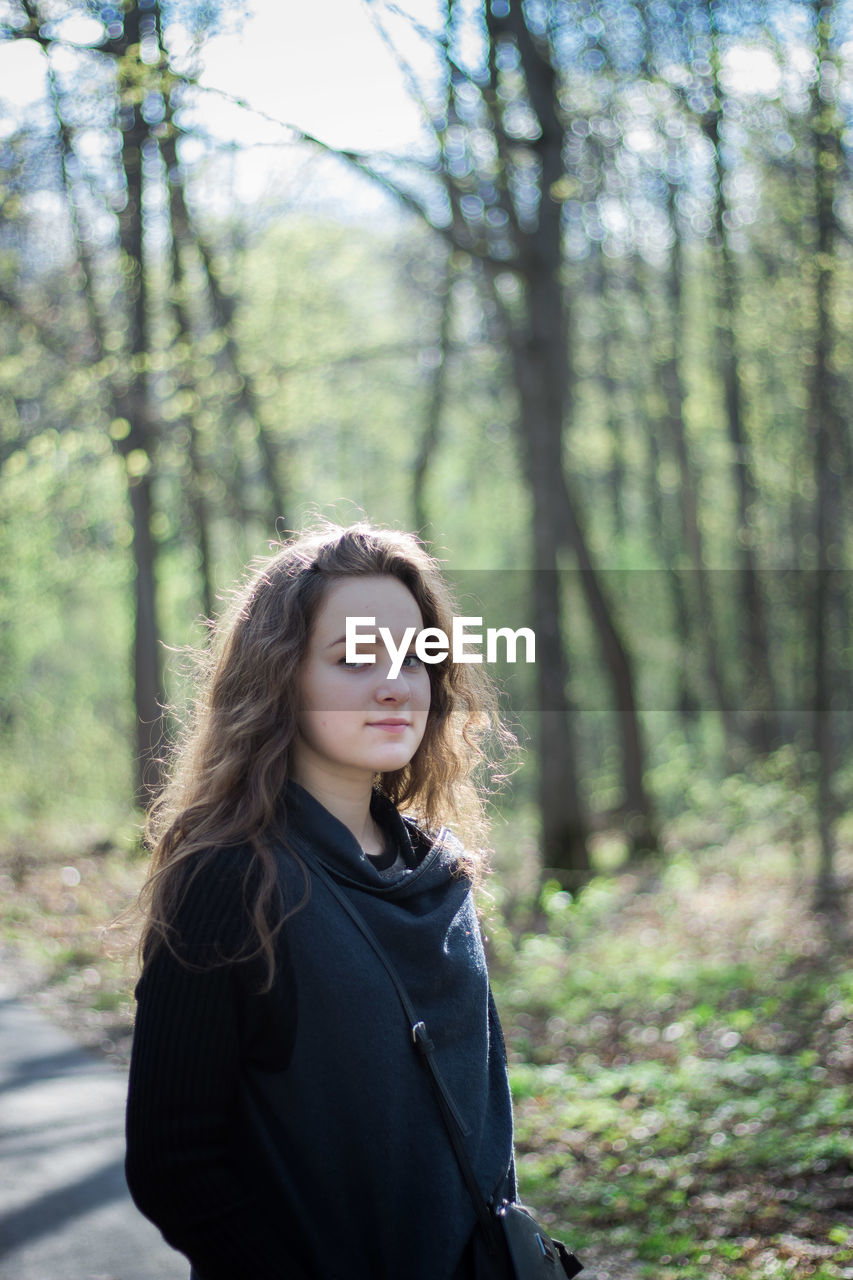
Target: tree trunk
{"x":247,"y":399}
{"x":547,"y":311}
{"x":601,"y":285}
{"x":664,"y":523}
{"x":639,"y":816}
{"x":826,"y":433}
{"x":132,"y":401}
{"x":182,"y":240}
{"x":435,"y":404}
{"x":674,"y":397}
{"x":758,"y":689}
{"x":146,"y":647}
{"x":132,"y":434}
{"x":539,"y":350}
{"x":564,"y":825}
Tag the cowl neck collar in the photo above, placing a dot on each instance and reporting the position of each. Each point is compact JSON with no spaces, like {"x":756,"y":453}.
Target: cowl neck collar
{"x":311,"y":828}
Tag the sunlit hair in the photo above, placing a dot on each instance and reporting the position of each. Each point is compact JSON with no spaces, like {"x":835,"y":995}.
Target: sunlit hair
{"x":230,"y":767}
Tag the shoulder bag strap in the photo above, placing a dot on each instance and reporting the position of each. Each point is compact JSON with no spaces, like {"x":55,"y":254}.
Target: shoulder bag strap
{"x":456,"y":1127}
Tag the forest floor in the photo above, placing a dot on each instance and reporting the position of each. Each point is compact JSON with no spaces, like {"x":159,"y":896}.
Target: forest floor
{"x":680,"y":1035}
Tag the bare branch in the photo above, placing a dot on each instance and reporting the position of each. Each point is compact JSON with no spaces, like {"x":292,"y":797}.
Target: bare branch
{"x":84,"y":254}
{"x":404,"y":67}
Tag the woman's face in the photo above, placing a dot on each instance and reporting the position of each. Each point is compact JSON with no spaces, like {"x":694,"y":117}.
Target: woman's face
{"x":355,"y":720}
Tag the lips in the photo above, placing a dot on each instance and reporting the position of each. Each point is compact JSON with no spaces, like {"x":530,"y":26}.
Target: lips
{"x":388,"y":724}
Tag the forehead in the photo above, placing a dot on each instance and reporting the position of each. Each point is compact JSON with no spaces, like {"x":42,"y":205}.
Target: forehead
{"x":379,"y":596}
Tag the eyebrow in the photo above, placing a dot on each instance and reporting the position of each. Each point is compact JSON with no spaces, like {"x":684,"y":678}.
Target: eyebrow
{"x":362,"y":643}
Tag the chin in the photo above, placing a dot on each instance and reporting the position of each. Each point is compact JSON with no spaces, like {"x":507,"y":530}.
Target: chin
{"x":391,"y":761}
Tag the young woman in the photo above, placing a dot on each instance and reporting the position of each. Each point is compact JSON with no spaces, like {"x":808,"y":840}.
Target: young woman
{"x":279,"y":1124}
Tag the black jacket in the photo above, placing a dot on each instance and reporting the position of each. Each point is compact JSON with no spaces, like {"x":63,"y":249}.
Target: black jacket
{"x":294,"y":1134}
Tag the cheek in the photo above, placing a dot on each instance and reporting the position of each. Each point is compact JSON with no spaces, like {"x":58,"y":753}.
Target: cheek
{"x":326,"y":692}
{"x":319,"y":721}
{"x":326,"y":723}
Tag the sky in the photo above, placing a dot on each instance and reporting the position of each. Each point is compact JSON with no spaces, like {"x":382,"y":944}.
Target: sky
{"x":324,"y":68}
{"x":321,"y":66}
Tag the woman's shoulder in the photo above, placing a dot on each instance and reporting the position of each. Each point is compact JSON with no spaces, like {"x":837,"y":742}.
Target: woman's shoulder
{"x":212,"y":888}
{"x":223,"y":902}
{"x":215,"y":870}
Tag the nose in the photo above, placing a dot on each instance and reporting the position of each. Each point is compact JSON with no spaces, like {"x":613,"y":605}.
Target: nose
{"x":396,"y":689}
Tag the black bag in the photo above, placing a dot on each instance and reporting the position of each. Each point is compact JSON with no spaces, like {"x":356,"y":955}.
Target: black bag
{"x":533,"y":1253}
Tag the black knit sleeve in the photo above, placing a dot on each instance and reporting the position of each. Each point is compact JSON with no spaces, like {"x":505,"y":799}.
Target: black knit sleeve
{"x":200,"y":1018}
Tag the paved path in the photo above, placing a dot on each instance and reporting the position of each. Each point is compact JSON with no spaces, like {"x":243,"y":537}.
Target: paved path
{"x":65,"y":1211}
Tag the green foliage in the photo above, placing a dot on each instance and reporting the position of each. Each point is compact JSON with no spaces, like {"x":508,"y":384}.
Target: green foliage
{"x":340,"y":326}
{"x":325,"y":351}
{"x":680,"y":1047}
{"x":65,"y":710}
{"x":342,"y":382}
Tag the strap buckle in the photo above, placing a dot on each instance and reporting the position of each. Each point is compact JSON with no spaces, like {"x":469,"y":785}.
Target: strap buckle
{"x":420,"y":1038}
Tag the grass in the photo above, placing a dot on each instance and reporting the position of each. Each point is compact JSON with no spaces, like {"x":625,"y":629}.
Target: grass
{"x":680,"y":1035}
{"x":681,"y":1043}
{"x":58,"y":926}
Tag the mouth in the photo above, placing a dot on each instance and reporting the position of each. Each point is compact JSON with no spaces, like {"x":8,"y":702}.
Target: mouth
{"x":388,"y":724}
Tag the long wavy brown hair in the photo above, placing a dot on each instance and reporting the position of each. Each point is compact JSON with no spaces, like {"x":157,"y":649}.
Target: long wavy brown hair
{"x":230,"y":765}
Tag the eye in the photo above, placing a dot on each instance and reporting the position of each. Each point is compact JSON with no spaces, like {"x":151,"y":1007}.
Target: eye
{"x":352,"y":666}
{"x":412,"y":660}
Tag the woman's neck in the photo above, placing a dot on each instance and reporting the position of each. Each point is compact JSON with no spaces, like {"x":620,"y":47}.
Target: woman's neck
{"x":348,"y":800}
